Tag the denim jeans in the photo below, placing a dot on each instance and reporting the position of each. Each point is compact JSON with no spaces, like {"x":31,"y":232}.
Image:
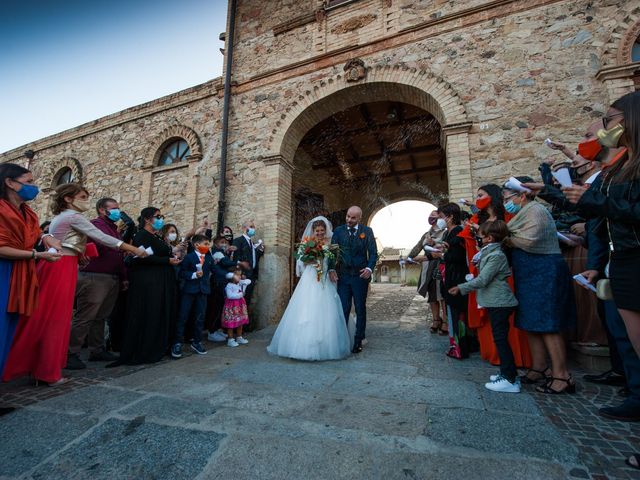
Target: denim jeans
{"x":499,"y":317}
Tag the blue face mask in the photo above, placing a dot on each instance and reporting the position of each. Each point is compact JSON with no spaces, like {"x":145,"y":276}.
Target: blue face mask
{"x":251,"y":232}
{"x":28,"y":192}
{"x":512,"y":207}
{"x":158,"y":223}
{"x":114,"y":214}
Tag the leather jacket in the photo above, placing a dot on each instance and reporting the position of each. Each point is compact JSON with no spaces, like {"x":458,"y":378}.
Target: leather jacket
{"x":618,"y":207}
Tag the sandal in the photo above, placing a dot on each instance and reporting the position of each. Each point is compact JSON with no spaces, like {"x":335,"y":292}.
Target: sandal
{"x":546,"y":388}
{"x":443,"y":332}
{"x":527,"y":380}
{"x":436,"y":326}
{"x":636,"y":458}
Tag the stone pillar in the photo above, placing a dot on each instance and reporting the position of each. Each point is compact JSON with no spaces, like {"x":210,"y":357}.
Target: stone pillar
{"x":458,"y":161}
{"x":192,"y":189}
{"x":274,"y":286}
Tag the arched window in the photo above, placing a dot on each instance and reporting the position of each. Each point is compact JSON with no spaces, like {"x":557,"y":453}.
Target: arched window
{"x":635,"y":51}
{"x":65,"y":175}
{"x":175,"y":151}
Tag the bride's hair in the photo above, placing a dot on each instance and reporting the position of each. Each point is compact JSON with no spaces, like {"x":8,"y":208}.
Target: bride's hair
{"x":318,"y":223}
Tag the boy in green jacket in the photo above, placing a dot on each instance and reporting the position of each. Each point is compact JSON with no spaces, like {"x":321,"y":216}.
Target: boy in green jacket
{"x":495,"y":295}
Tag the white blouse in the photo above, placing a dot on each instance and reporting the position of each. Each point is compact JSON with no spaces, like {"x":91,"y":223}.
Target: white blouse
{"x":234,"y":291}
{"x":70,"y":219}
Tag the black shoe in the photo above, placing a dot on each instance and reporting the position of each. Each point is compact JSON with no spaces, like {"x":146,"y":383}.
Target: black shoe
{"x":624,"y":392}
{"x":607,"y":378}
{"x":624,"y":413}
{"x":74,"y":362}
{"x":103,"y":356}
{"x":357,"y":347}
{"x":176,"y":351}
{"x":198,"y":348}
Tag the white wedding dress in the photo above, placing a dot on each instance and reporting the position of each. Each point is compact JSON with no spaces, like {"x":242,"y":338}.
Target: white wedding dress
{"x":313,"y":326}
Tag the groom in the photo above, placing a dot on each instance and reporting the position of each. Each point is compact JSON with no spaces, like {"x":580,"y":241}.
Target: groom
{"x":356,"y":261}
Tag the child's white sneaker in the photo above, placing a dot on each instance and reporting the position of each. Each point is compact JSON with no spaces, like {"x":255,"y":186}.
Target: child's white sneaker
{"x":217,"y":336}
{"x":501,"y":384}
{"x":242,"y":341}
{"x":232,"y":343}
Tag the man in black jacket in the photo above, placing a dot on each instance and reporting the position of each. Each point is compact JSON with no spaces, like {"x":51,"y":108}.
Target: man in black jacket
{"x":250,"y":252}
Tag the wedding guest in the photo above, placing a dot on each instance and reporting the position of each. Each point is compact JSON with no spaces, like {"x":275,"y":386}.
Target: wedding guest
{"x":41,"y":341}
{"x":429,"y":286}
{"x":250,"y":252}
{"x":152,"y":295}
{"x":495,"y":295}
{"x":235,"y":315}
{"x":543,"y":288}
{"x":490,"y":208}
{"x":99,"y":283}
{"x":455,"y":270}
{"x":195,"y":271}
{"x":19,"y":234}
{"x":227,"y":233}
{"x":614,"y":198}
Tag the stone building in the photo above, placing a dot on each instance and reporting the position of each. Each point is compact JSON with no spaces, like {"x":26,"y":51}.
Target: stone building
{"x":335,"y":102}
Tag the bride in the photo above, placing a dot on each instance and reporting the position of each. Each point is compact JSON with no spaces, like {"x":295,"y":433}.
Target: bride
{"x":313,"y":326}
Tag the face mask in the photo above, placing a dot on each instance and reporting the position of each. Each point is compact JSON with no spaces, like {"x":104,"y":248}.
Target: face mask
{"x":114,"y":214}
{"x":202,"y":249}
{"x":158,"y":223}
{"x":28,"y":192}
{"x":610,"y":138}
{"x":483,"y":202}
{"x":223,"y":246}
{"x":479,"y":242}
{"x":512,"y":207}
{"x":172,"y":237}
{"x":589,"y":149}
{"x":441,"y":223}
{"x":81,"y":205}
{"x":229,"y":237}
{"x":251,"y":232}
{"x":433,"y":220}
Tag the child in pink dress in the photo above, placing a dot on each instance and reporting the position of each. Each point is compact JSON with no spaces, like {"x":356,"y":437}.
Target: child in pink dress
{"x":235,"y":314}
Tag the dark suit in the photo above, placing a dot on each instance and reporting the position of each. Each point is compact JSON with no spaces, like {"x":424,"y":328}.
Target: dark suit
{"x":194,"y":294}
{"x":245,"y":254}
{"x":357,"y":251}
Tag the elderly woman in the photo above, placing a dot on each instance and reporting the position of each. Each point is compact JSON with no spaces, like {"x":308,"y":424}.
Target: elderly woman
{"x":429,"y":286}
{"x":543,"y":288}
{"x":19,"y":233}
{"x":41,"y":341}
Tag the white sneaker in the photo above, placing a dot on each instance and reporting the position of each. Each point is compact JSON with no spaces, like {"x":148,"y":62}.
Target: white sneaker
{"x":217,"y":336}
{"x":241,"y":340}
{"x":503,"y":385}
{"x":493,"y":378}
{"x":232,"y":343}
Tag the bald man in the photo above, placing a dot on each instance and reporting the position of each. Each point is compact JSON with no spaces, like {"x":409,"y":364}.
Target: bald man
{"x":357,"y":259}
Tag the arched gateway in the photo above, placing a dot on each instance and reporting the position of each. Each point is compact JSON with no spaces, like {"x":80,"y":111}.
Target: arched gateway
{"x":393,"y":133}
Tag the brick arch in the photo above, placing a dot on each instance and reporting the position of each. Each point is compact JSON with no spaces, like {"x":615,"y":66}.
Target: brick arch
{"x":617,"y":50}
{"x":173,"y":133}
{"x":56,"y":170}
{"x":399,"y":197}
{"x":397,"y":83}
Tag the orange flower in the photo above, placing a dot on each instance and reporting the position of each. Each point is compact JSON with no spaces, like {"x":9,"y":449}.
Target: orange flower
{"x":362,"y":235}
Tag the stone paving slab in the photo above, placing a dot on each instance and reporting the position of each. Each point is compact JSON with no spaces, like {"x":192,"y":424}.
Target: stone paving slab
{"x":91,"y":401}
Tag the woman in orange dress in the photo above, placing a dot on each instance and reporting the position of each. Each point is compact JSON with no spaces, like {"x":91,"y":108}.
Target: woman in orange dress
{"x":490,"y":207}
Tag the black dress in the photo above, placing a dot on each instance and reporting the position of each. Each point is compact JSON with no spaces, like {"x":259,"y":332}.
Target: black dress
{"x":151,"y":303}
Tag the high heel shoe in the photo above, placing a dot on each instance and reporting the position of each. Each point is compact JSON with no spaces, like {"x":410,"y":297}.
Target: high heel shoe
{"x":62,"y":381}
{"x":570,"y":389}
{"x":436,"y":326}
{"x":526,"y":380}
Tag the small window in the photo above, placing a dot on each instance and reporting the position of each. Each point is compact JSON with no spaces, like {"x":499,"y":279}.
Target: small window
{"x":64,"y":176}
{"x":635,"y":51}
{"x":175,"y":152}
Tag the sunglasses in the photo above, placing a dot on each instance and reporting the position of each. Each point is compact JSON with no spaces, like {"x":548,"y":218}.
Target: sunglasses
{"x":607,"y":119}
{"x":159,"y":217}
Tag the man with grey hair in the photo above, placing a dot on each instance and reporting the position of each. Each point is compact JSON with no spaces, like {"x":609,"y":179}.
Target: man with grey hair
{"x":358,"y":257}
{"x":250,"y":252}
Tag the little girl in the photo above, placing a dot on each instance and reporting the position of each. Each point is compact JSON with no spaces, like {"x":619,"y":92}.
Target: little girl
{"x":235,"y":314}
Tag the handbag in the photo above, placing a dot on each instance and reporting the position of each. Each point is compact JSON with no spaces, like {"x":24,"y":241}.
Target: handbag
{"x":603,"y":289}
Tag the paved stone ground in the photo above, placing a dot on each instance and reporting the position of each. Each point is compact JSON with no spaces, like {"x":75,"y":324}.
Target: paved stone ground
{"x":399,"y":410}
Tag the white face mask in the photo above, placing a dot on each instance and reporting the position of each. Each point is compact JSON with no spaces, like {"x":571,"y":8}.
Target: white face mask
{"x":172,"y":237}
{"x":441,"y":223}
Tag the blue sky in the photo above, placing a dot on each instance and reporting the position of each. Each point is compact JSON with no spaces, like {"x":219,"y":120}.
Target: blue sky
{"x":67,"y":62}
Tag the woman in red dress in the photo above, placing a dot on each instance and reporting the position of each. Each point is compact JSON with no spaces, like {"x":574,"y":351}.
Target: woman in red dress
{"x":490,"y":207}
{"x":41,"y":341}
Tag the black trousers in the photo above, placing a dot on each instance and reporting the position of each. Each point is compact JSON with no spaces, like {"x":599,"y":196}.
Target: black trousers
{"x":499,"y":317}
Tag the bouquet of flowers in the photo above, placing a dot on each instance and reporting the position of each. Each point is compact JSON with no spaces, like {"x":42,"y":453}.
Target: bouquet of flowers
{"x":310,"y":251}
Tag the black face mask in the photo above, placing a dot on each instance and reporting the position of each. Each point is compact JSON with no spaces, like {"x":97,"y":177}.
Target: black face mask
{"x":228,"y":236}
{"x":479,"y":242}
